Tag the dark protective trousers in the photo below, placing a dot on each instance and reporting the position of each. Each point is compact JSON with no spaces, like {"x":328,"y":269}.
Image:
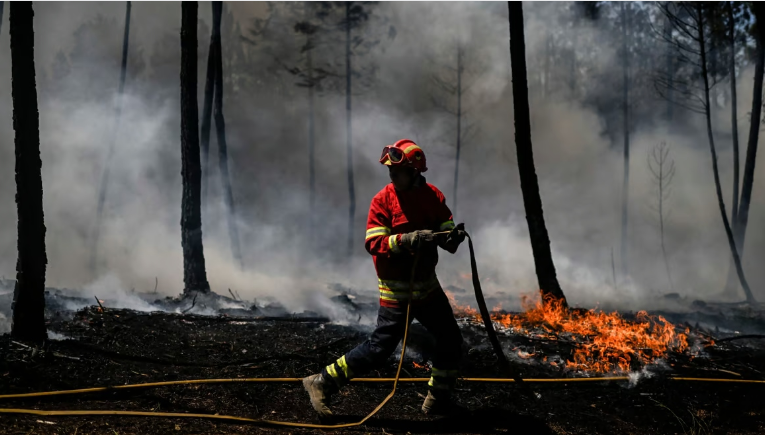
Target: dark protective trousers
{"x":435,"y":314}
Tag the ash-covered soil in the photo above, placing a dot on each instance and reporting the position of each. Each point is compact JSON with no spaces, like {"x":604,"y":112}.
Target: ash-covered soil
{"x":94,"y":348}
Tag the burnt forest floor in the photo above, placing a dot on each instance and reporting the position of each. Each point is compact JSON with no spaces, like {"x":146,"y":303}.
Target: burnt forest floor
{"x":125,"y":347}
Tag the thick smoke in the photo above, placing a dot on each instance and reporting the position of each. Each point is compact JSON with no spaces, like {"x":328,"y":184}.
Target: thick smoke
{"x":578,"y":159}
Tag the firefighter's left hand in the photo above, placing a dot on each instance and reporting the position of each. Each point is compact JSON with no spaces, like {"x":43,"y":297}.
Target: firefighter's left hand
{"x":457,"y":235}
{"x":454,"y":238}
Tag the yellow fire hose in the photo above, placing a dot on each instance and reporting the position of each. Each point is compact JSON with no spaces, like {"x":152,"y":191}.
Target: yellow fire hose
{"x":395,"y":381}
{"x":284,"y":380}
{"x":244,"y":419}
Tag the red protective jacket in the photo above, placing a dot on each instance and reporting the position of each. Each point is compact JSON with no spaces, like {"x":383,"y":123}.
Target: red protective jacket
{"x":391,"y":214}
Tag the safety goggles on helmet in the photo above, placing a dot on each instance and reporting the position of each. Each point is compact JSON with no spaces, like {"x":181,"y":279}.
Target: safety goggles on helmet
{"x":392,"y":154}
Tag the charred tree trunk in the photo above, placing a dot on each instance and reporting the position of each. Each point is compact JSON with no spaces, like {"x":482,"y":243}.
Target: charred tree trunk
{"x":540,"y":242}
{"x":220,"y":128}
{"x":670,"y":68}
{"x":112,"y":144}
{"x":546,"y":72}
{"x":754,"y":130}
{"x":29,"y":293}
{"x":348,"y":83}
{"x":572,"y":60}
{"x":731,"y":283}
{"x":459,"y":125}
{"x":311,"y":144}
{"x":207,"y":113}
{"x":707,"y":115}
{"x":194,"y":273}
{"x":311,"y":131}
{"x":625,"y":110}
{"x":733,"y":114}
{"x":1,"y":14}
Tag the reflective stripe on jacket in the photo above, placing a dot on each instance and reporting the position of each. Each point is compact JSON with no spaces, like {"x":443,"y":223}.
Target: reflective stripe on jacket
{"x":391,"y":214}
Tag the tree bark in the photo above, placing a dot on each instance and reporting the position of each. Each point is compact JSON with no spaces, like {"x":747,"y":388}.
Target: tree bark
{"x":546,"y":72}
{"x":207,"y":112}
{"x":459,"y":125}
{"x":29,"y":292}
{"x":220,"y":127}
{"x":348,"y":83}
{"x":311,"y":132}
{"x":540,"y":242}
{"x":754,"y":131}
{"x":625,"y":111}
{"x":194,"y":273}
{"x":733,"y":114}
{"x":311,"y":145}
{"x":731,"y":282}
{"x":707,"y":115}
{"x":670,"y":68}
{"x":112,"y":145}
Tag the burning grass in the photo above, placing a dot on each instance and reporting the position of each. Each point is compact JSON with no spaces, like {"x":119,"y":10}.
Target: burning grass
{"x":603,"y":342}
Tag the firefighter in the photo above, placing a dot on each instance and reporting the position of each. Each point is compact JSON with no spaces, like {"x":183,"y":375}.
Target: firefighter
{"x":403,"y":218}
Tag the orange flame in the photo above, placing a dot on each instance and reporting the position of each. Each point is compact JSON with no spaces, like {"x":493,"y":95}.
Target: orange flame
{"x":604,"y":342}
{"x":461,"y":310}
{"x":419,"y":366}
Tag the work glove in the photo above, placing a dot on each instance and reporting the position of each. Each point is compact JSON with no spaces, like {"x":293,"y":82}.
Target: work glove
{"x":454,"y":238}
{"x":417,"y":239}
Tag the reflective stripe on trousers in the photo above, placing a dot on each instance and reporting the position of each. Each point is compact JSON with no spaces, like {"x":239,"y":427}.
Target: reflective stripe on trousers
{"x":398,"y":291}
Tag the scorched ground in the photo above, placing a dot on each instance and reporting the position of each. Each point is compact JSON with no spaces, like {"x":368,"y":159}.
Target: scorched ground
{"x":112,"y":347}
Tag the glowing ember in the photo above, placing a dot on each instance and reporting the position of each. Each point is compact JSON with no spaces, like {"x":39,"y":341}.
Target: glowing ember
{"x":604,"y":342}
{"x":420,"y":366}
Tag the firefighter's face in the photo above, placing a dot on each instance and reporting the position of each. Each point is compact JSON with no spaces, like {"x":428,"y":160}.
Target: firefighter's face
{"x":401,"y":176}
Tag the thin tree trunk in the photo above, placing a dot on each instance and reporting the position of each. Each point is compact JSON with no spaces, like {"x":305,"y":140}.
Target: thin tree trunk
{"x":540,"y":242}
{"x":546,"y":73}
{"x":754,"y":130}
{"x":29,"y":292}
{"x":733,"y":114}
{"x":311,"y":134}
{"x":670,"y":68}
{"x":732,"y":283}
{"x":351,"y":190}
{"x":207,"y":113}
{"x":220,"y":127}
{"x":663,"y":179}
{"x":194,"y":273}
{"x":311,"y":146}
{"x":459,"y":125}
{"x":720,"y":200}
{"x":572,"y":64}
{"x":625,"y":111}
{"x":112,"y":145}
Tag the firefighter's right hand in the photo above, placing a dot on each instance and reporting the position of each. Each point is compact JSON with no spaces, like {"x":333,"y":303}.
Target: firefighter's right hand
{"x":417,"y":239}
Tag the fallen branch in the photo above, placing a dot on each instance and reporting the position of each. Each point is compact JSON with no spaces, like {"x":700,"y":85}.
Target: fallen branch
{"x":20,"y":344}
{"x":99,"y":304}
{"x":193,"y":302}
{"x":739,"y":337}
{"x":61,"y":355}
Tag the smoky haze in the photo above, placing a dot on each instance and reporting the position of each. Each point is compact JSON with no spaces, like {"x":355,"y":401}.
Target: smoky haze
{"x":577,"y":148}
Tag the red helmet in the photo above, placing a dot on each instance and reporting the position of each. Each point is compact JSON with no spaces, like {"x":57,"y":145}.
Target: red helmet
{"x":404,"y":152}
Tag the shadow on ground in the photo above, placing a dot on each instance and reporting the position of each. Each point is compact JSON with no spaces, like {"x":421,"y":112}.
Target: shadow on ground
{"x":483,"y":421}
